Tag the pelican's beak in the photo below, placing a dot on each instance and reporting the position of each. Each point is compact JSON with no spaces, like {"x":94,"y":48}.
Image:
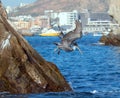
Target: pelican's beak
{"x":79,"y":50}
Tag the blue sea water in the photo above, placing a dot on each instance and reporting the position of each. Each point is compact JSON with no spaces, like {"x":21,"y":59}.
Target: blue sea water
{"x":93,"y":74}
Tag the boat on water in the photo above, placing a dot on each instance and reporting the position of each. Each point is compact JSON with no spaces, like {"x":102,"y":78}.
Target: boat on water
{"x":100,"y":34}
{"x":50,"y":32}
{"x":97,"y":34}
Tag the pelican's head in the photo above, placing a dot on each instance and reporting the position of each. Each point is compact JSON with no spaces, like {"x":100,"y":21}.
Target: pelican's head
{"x":75,"y":46}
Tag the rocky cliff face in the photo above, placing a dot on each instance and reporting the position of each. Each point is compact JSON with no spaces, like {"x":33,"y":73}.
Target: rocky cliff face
{"x":22,"y":69}
{"x":114,"y":9}
{"x":111,"y":39}
{"x":114,"y":37}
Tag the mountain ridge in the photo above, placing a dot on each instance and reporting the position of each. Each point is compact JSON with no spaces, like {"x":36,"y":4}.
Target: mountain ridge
{"x":39,"y":6}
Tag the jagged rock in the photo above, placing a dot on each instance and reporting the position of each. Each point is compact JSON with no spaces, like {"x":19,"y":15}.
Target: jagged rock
{"x":111,"y":39}
{"x":22,"y":69}
{"x":114,"y":37}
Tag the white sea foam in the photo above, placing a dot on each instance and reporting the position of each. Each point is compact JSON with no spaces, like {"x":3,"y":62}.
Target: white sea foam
{"x":98,"y":43}
{"x":70,"y":83}
{"x":94,"y":91}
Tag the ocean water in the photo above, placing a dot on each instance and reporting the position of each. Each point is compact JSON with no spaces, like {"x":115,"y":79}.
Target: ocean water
{"x":93,"y":74}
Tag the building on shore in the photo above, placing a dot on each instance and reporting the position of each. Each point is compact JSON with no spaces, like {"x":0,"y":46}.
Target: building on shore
{"x":67,"y":18}
{"x":91,"y":22}
{"x":97,"y":22}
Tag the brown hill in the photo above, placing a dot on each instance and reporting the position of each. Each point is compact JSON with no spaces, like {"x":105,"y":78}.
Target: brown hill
{"x":39,"y":6}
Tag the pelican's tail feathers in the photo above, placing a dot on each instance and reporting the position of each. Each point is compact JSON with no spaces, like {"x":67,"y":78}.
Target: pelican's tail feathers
{"x":55,"y":43}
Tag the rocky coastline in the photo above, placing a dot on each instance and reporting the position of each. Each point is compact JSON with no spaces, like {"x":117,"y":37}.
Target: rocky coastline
{"x":114,"y":37}
{"x":111,"y":39}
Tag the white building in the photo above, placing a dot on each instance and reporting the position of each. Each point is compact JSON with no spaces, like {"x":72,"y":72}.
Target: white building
{"x":67,"y":18}
{"x":97,"y":22}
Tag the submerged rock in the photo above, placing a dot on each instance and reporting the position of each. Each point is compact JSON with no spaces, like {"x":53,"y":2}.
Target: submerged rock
{"x":22,"y":69}
{"x":111,"y":39}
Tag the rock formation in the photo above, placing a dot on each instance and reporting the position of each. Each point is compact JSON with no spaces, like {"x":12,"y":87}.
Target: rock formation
{"x":111,"y":39}
{"x":39,"y":6}
{"x":114,"y":37}
{"x":114,"y":9}
{"x":22,"y":69}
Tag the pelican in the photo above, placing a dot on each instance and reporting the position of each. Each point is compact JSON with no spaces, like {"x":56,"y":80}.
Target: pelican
{"x":68,"y":41}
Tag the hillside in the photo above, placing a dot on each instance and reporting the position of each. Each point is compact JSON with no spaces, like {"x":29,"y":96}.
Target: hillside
{"x":39,"y":6}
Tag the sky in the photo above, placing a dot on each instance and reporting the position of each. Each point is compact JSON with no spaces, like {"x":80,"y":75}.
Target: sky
{"x":14,"y":3}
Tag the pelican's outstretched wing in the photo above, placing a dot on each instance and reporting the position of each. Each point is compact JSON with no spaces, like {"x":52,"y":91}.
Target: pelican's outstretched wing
{"x":73,"y":35}
{"x":61,"y":35}
{"x":61,"y":32}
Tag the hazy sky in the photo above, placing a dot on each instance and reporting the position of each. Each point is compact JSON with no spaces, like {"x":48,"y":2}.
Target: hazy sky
{"x":14,"y":3}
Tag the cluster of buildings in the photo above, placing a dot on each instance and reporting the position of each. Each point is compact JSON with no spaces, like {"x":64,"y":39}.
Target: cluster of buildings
{"x":50,"y":19}
{"x":98,"y":23}
{"x":91,"y":22}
